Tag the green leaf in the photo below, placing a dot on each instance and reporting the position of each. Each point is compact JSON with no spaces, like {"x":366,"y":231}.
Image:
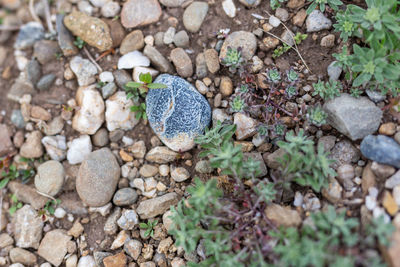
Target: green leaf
{"x":145,"y":77}
{"x":143,"y":225}
{"x":4,"y":182}
{"x":133,"y":84}
{"x":156,"y":86}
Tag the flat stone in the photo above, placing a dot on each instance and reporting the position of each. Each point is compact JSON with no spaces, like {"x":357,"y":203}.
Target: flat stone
{"x":98,"y":177}
{"x":117,"y":260}
{"x":178,"y":113}
{"x":182,"y":62}
{"x":133,"y":41}
{"x":27,"y":194}
{"x":28,"y":34}
{"x":27,"y":227}
{"x":6,"y":145}
{"x":156,"y":206}
{"x":316,"y":22}
{"x":50,"y":177}
{"x":32,"y":148}
{"x":22,"y":256}
{"x":157,"y":59}
{"x":246,"y":126}
{"x":78,"y":149}
{"x":65,"y":38}
{"x":125,"y":197}
{"x":53,"y":247}
{"x":136,"y":13}
{"x":161,"y":154}
{"x":45,"y":51}
{"x":354,"y":117}
{"x":382,"y":149}
{"x":133,"y":59}
{"x":283,"y":216}
{"x":194,"y":15}
{"x":246,"y":40}
{"x":84,"y":70}
{"x":92,"y":30}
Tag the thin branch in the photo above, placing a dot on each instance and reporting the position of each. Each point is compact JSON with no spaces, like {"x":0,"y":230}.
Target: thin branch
{"x":9,"y":28}
{"x":294,"y":48}
{"x":47,"y":14}
{"x":32,"y":11}
{"x":45,"y":195}
{"x":92,"y":59}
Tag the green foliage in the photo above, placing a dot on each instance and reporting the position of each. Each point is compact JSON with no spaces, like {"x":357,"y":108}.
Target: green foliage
{"x":49,"y":208}
{"x":10,"y":173}
{"x":291,"y":91}
{"x":327,"y":90}
{"x":274,"y":75}
{"x":137,"y":92}
{"x":15,"y":204}
{"x":334,"y":4}
{"x":100,"y":84}
{"x":266,"y":191}
{"x":375,"y":63}
{"x":354,"y":92}
{"x":282,"y":49}
{"x":233,"y":59}
{"x":292,"y":76}
{"x":300,"y":37}
{"x":237,"y":104}
{"x":79,"y":42}
{"x":317,"y":116}
{"x":379,"y":230}
{"x":314,"y":245}
{"x":276,"y":3}
{"x":149,"y":227}
{"x":140,"y":111}
{"x":302,"y":164}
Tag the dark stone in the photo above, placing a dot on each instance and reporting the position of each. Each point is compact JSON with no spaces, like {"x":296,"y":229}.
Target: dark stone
{"x":46,"y":82}
{"x":382,"y":149}
{"x":65,"y":38}
{"x":28,"y":35}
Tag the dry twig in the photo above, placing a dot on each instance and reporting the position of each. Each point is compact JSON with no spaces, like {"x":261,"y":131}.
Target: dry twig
{"x":92,"y":59}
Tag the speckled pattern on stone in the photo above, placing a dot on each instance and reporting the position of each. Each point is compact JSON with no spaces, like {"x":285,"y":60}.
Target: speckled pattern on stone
{"x":177,"y":114}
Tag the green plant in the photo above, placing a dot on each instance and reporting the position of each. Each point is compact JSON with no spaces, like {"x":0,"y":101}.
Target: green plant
{"x":291,"y":91}
{"x":274,"y":75}
{"x":49,"y":208}
{"x":379,"y":230}
{"x":140,"y":111}
{"x":233,"y":59}
{"x":317,"y":116}
{"x":334,"y":4}
{"x":237,"y":104}
{"x":138,"y":90}
{"x":374,"y":64}
{"x":282,"y":49}
{"x":149,"y":227}
{"x":100,"y":84}
{"x":59,"y":55}
{"x":314,"y":245}
{"x":15,"y":204}
{"x":354,"y":92}
{"x":300,"y":37}
{"x":302,"y":164}
{"x":10,"y":172}
{"x":276,"y":3}
{"x":327,"y":90}
{"x":79,"y":42}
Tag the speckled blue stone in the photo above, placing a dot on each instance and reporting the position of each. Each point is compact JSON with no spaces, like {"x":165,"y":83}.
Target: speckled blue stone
{"x":178,"y":113}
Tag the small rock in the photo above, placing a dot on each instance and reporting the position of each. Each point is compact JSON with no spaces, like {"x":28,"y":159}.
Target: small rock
{"x":283,"y":216}
{"x":368,"y":179}
{"x":181,"y":39}
{"x":50,"y":177}
{"x":72,"y":261}
{"x":133,"y":248}
{"x":6,"y":146}
{"x":76,"y":229}
{"x":157,"y":59}
{"x":22,"y":256}
{"x":375,"y":96}
{"x":45,"y":51}
{"x":136,"y":13}
{"x":201,"y":66}
{"x":5,"y":240}
{"x":27,"y":227}
{"x":299,"y":18}
{"x":182,"y":62}
{"x":316,"y":22}
{"x":381,"y":149}
{"x":110,"y":9}
{"x":282,"y":14}
{"x":172,"y":3}
{"x":138,"y":149}
{"x":56,"y":147}
{"x":274,"y":21}
{"x":246,"y":126}
{"x":110,"y":226}
{"x":294,"y":4}
{"x":106,"y":77}
{"x":32,"y":148}
{"x":118,"y":114}
{"x":92,"y":30}
{"x":86,"y":261}
{"x":382,"y":171}
{"x":246,"y":40}
{"x":212,"y":62}
{"x":133,"y":59}
{"x":100,"y":138}
{"x":46,"y":82}
{"x":128,"y":220}
{"x":33,"y":71}
{"x":188,"y":113}
{"x":108,"y":90}
{"x":354,"y":117}
{"x":118,"y":260}
{"x":344,"y":153}
{"x":28,"y":34}
{"x":203,"y":166}
{"x":133,"y":41}
{"x":78,"y":149}
{"x":257,"y":157}
{"x":194,"y":15}
{"x":229,"y":8}
{"x":345,"y":175}
{"x":156,"y":206}
{"x":84,"y":70}
{"x":168,"y":37}
{"x":250,"y":3}
{"x":389,"y":203}
{"x":27,"y":194}
{"x":334,"y":71}
{"x":65,"y":38}
{"x":98,"y":177}
{"x":387,"y":128}
{"x":179,"y":174}
{"x":18,"y":119}
{"x":272,"y":159}
{"x":161,"y":154}
{"x":328,"y":41}
{"x":125,"y":197}
{"x":90,"y":116}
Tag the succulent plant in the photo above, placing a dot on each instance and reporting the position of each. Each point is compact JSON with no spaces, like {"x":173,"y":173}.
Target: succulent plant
{"x":237,"y":104}
{"x":233,"y":59}
{"x":317,"y":116}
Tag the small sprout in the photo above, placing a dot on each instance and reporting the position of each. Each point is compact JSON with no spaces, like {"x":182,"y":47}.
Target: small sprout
{"x":49,"y":208}
{"x":317,"y":116}
{"x":100,"y":84}
{"x":291,"y":91}
{"x":262,"y":130}
{"x":292,"y":76}
{"x":15,"y":204}
{"x":299,"y":37}
{"x":58,"y":55}
{"x":238,"y":104}
{"x":327,"y":90}
{"x":149,"y":226}
{"x":274,"y":75}
{"x":244,"y":88}
{"x":279,"y":129}
{"x":79,"y":42}
{"x":280,"y":50}
{"x":355,"y":92}
{"x":233,"y":59}
{"x":140,"y":111}
{"x":146,"y":83}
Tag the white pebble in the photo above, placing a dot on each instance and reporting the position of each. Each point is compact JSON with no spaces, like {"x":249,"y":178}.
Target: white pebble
{"x":133,"y":59}
{"x":106,"y":77}
{"x":274,"y":21}
{"x":60,"y":213}
{"x":370,"y":202}
{"x":373,"y":192}
{"x":229,"y":8}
